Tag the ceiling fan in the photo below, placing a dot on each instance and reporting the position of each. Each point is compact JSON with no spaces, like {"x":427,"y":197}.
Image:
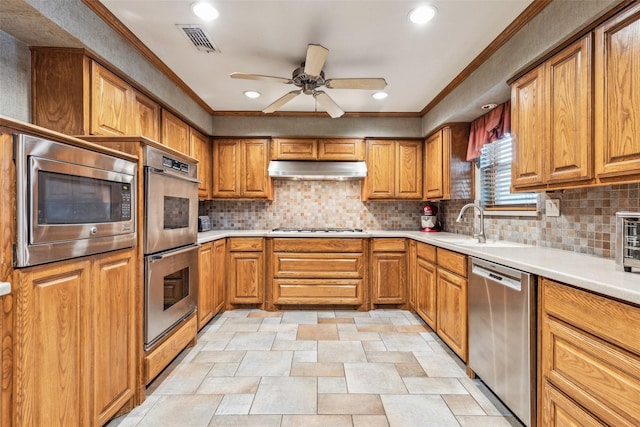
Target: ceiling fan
{"x":309,"y":77}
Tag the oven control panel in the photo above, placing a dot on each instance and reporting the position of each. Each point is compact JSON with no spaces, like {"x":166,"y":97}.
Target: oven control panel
{"x":177,"y":165}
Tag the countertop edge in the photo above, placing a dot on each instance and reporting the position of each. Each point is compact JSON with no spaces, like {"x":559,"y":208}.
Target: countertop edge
{"x":599,"y":275}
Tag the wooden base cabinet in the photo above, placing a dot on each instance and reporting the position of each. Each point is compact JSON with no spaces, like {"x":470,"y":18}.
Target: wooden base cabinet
{"x":75,"y":345}
{"x":211,"y":293}
{"x":388,"y":271}
{"x":245,"y":278}
{"x":589,"y":358}
{"x":452,"y":313}
{"x":426,"y":302}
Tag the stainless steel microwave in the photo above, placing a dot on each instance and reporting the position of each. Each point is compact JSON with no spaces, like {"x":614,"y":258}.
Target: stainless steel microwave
{"x":70,"y":201}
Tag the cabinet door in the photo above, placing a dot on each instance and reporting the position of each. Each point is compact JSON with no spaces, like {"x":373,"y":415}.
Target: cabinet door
{"x":617,"y":98}
{"x":200,"y":149}
{"x":205,"y":284}
{"x":255,"y":161}
{"x":294,"y":149}
{"x":219,"y":284}
{"x":389,"y":277}
{"x":569,"y":114}
{"x":528,"y":129}
{"x":50,"y":375}
{"x":110,"y":103}
{"x":408,"y":170}
{"x":175,"y":132}
{"x":426,"y":305}
{"x":340,"y":149}
{"x":558,"y":410}
{"x":226,"y":169}
{"x":433,"y":167}
{"x":411,"y":267}
{"x":145,"y":117}
{"x":246,"y":277}
{"x":112,"y":333}
{"x":380,"y":181}
{"x":452,"y":311}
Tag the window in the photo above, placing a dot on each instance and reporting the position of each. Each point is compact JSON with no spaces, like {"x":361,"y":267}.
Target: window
{"x":495,"y":179}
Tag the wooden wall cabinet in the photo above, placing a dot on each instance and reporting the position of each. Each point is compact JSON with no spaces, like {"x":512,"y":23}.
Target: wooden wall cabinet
{"x":246,"y":270}
{"x":240,"y":169}
{"x":318,"y":271}
{"x":551,"y":121}
{"x":394,"y":170}
{"x":335,"y":149}
{"x":447,"y":174}
{"x":426,"y":289}
{"x":589,"y":368}
{"x":74,"y":94}
{"x":175,"y":132}
{"x":201,"y":150}
{"x":617,"y":98}
{"x":388,"y":271}
{"x":452,"y":313}
{"x":75,"y":352}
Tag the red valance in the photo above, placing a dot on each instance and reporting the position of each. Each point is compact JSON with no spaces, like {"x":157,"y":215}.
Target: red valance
{"x":488,"y":128}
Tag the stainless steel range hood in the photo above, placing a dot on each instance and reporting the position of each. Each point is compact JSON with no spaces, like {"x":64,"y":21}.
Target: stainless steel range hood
{"x":317,"y":170}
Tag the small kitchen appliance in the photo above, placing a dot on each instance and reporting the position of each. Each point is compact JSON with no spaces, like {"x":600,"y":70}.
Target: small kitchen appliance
{"x":429,"y":219}
{"x":628,"y":240}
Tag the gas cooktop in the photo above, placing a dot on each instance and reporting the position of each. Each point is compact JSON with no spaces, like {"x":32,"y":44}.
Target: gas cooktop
{"x":317,"y":230}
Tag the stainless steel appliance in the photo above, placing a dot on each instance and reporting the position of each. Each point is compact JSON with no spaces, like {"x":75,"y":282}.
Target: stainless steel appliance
{"x":171,"y":233}
{"x":502,"y":349}
{"x":70,"y":201}
{"x":628,"y":240}
{"x":171,"y":201}
{"x":429,"y":222}
{"x":317,"y":171}
{"x":171,"y":279}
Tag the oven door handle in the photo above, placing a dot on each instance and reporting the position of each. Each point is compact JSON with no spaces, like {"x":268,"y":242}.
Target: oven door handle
{"x":158,"y":257}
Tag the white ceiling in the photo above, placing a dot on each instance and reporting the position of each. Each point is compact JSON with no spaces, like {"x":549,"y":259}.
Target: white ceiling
{"x":364,"y":38}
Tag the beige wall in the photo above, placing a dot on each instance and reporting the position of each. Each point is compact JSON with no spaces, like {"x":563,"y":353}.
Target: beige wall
{"x":15,"y":78}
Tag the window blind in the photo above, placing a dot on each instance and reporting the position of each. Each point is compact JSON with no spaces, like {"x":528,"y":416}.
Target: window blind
{"x":495,"y":178}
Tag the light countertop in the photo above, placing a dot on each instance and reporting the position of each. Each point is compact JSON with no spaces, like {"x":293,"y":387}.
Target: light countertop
{"x":591,"y":273}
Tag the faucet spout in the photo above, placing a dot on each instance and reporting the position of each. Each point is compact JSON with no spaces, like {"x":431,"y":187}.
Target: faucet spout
{"x":480,"y":234}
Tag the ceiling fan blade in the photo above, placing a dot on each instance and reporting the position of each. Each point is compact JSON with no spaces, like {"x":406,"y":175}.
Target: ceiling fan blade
{"x":281,"y":101}
{"x":375,"y":84}
{"x":259,"y":77}
{"x":316,"y":55}
{"x":328,"y":104}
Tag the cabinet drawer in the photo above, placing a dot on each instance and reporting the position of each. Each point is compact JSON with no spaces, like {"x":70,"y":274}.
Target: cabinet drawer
{"x":598,"y":376}
{"x":388,"y":245}
{"x":452,"y":261}
{"x":341,"y":149}
{"x":245,"y":244}
{"x":313,"y":244}
{"x":318,"y":265}
{"x":294,"y":149}
{"x":613,"y":321}
{"x":427,"y":252}
{"x":559,"y":410}
{"x":318,"y":291}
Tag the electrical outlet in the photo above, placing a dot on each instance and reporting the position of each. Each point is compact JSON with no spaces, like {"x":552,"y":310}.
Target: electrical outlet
{"x":552,"y":207}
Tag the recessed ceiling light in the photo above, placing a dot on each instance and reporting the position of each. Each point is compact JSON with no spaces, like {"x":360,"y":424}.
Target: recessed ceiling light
{"x":205,"y":11}
{"x":380,"y":95}
{"x":489,"y":106}
{"x":422,"y":14}
{"x":251,"y":94}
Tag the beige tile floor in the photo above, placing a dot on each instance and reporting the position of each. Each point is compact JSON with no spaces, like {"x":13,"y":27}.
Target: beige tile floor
{"x":317,"y":368}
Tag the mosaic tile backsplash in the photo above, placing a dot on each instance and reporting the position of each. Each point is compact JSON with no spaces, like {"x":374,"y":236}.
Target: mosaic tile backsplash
{"x":586,"y":223}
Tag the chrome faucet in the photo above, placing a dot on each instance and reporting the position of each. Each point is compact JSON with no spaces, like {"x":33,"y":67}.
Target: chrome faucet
{"x":480,"y":235}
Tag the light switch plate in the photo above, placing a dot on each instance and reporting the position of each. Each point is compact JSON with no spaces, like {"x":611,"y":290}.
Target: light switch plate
{"x":552,"y":207}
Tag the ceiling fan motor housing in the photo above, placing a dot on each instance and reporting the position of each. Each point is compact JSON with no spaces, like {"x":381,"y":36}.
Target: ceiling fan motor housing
{"x":307,"y":83}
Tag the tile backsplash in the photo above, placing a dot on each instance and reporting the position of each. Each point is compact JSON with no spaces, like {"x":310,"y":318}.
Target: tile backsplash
{"x":586,"y":223}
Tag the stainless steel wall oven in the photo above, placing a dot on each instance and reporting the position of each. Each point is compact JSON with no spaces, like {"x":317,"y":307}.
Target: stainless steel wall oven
{"x":70,"y":201}
{"x":170,"y":235}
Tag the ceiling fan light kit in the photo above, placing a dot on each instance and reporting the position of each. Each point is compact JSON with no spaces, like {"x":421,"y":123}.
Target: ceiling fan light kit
{"x":309,"y":77}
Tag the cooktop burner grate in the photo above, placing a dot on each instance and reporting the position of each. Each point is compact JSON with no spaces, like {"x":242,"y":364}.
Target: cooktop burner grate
{"x":318,"y":230}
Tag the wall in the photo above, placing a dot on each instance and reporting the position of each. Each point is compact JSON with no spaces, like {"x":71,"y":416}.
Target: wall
{"x":587,"y":221}
{"x":15,"y":78}
{"x":313,"y":204}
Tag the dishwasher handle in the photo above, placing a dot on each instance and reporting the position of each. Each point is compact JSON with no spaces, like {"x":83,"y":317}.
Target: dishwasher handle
{"x":496,"y":277}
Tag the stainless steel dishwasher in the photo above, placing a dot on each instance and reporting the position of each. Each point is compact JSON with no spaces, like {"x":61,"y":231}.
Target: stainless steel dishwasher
{"x":502,"y":350}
